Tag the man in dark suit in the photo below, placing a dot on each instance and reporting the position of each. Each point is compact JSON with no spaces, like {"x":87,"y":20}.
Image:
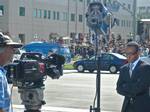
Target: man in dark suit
{"x":134,"y":81}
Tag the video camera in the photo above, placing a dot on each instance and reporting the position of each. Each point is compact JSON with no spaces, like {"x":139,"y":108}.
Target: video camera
{"x":31,"y":70}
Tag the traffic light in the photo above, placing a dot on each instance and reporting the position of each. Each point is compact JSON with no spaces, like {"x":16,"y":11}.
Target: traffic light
{"x":140,"y":27}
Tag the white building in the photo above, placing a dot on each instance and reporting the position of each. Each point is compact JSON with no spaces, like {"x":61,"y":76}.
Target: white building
{"x":28,"y":20}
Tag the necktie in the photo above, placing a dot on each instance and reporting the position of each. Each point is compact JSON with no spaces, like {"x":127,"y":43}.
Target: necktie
{"x":130,"y":68}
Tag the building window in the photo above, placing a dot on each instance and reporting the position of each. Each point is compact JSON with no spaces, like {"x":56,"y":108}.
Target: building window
{"x":118,"y":22}
{"x":65,"y":16}
{"x":129,"y":6}
{"x":129,"y":23}
{"x":80,"y":18}
{"x":22,"y":38}
{"x":35,"y":13}
{"x":39,"y":13}
{"x":54,"y":15}
{"x":81,"y":0}
{"x":49,"y":14}
{"x":45,"y":14}
{"x":72,"y":17}
{"x":58,"y":16}
{"x":88,"y":1}
{"x":148,"y":9}
{"x":122,"y":23}
{"x":1,"y":10}
{"x":21,"y":11}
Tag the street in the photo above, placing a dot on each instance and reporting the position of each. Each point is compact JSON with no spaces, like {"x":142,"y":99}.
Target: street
{"x":77,"y":90}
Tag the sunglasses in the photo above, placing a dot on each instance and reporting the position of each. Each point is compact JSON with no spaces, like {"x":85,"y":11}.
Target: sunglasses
{"x":130,"y":53}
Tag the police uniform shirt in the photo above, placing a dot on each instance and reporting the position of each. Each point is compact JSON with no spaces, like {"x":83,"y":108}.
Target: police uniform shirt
{"x":5,"y":101}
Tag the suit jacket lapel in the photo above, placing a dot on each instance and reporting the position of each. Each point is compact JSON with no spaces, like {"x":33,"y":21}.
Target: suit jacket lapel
{"x":136,"y":69}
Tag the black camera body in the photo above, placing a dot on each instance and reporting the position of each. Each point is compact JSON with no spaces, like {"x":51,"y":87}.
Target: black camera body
{"x":32,"y":69}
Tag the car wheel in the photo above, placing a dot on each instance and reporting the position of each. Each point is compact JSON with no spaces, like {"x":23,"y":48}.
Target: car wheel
{"x":91,"y":71}
{"x":80,"y":68}
{"x":113,"y":69}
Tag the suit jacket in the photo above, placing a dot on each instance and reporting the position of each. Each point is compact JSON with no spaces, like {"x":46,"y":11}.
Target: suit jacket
{"x":135,"y":87}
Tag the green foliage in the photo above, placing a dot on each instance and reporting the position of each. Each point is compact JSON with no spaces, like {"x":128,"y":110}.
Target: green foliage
{"x":68,"y":66}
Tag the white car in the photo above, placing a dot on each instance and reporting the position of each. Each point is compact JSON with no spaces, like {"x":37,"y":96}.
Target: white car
{"x":18,"y":54}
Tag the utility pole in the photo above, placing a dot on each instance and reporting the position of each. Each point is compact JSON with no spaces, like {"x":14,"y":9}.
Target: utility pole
{"x":68,"y":18}
{"x":134,"y":18}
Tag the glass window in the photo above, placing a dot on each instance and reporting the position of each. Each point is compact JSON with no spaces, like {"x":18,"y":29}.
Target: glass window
{"x":122,"y":23}
{"x":65,"y":16}
{"x":58,"y":16}
{"x":21,"y":11}
{"x":1,"y":10}
{"x":22,"y":38}
{"x":88,"y":1}
{"x":111,"y":57}
{"x":129,"y":6}
{"x":39,"y":13}
{"x":81,"y":0}
{"x":54,"y":15}
{"x":72,"y":17}
{"x":45,"y":14}
{"x":80,"y":18}
{"x":35,"y":13}
{"x":92,"y":58}
{"x":106,"y":56}
{"x":129,"y":23}
{"x":49,"y":14}
{"x":118,"y":22}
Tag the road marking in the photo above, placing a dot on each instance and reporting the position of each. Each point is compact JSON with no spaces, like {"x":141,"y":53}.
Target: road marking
{"x":56,"y":109}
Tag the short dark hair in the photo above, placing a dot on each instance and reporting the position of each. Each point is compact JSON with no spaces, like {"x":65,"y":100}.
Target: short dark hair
{"x":135,"y":45}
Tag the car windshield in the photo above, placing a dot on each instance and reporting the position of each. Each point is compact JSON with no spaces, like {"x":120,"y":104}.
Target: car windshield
{"x":92,"y":58}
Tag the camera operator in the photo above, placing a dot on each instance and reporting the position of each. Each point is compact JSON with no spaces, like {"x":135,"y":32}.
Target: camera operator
{"x":7,"y":48}
{"x":57,"y":60}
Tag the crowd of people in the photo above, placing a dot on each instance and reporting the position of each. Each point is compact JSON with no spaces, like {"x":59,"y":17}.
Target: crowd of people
{"x":114,"y":45}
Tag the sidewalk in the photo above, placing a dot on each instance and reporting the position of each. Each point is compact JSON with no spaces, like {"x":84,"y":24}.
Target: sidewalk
{"x":20,"y":108}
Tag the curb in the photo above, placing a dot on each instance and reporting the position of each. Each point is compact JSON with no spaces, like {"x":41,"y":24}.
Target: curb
{"x":20,"y":108}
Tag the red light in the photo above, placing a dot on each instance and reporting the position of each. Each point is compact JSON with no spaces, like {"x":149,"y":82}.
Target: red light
{"x":42,"y":67}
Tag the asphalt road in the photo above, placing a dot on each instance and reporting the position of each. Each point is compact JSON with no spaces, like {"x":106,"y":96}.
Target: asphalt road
{"x":77,"y":90}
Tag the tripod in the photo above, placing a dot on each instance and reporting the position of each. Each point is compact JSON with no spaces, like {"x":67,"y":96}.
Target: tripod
{"x":32,"y":99}
{"x":98,"y":77}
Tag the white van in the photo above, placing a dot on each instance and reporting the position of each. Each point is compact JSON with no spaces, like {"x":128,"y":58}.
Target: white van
{"x":18,"y":54}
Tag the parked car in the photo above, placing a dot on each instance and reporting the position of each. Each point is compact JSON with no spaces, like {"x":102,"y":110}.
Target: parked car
{"x":109,"y":62}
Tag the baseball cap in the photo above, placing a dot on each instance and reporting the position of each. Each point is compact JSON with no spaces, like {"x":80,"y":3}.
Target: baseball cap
{"x":5,"y":40}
